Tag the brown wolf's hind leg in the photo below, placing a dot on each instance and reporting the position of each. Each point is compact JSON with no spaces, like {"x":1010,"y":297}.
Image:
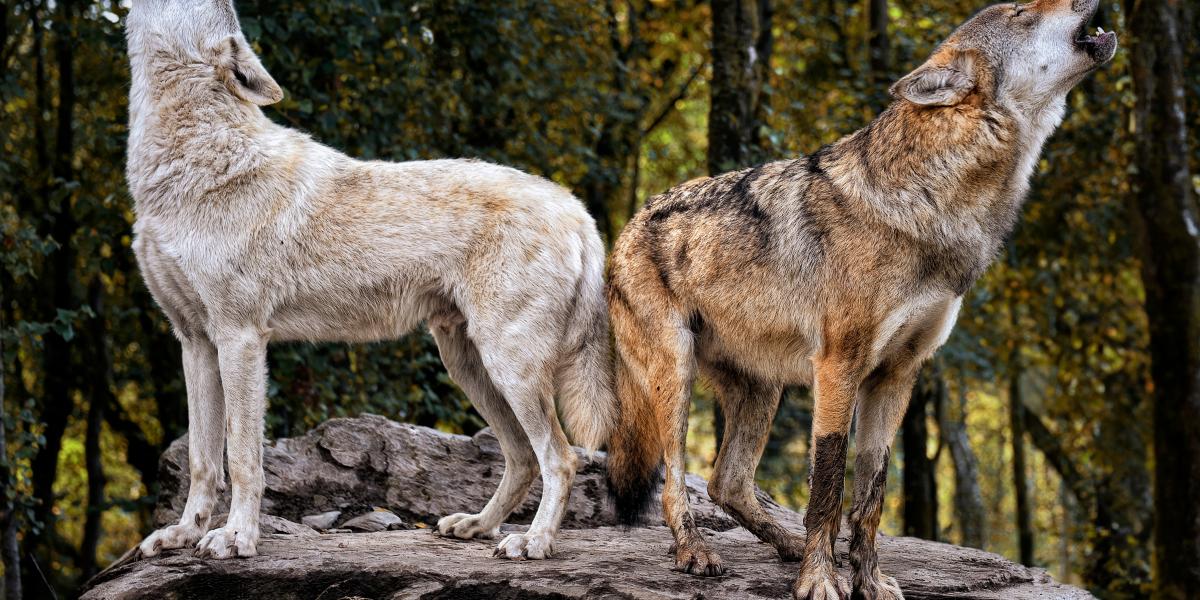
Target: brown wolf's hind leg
{"x":749,"y":405}
{"x":670,"y":384}
{"x":664,"y":365}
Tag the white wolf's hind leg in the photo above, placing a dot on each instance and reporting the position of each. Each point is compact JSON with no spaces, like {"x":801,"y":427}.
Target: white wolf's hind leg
{"x":206,"y":443}
{"x":523,"y":372}
{"x":462,"y":361}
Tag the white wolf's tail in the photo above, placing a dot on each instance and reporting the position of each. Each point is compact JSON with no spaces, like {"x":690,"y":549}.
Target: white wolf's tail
{"x":587,"y":404}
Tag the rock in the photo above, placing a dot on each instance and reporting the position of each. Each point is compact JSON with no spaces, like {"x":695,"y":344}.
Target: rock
{"x":271,"y":524}
{"x":352,"y":465}
{"x":324,"y":520}
{"x":379,"y":519}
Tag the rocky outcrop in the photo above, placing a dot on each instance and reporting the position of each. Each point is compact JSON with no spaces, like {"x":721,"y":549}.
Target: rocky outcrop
{"x":372,"y":487}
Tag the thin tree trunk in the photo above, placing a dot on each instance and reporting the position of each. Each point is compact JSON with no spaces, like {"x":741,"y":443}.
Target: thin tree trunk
{"x":736,"y":86}
{"x":1016,"y":423}
{"x":101,"y":396}
{"x":9,"y":553}
{"x":1169,"y":221}
{"x":920,"y":487}
{"x":56,"y":364}
{"x":879,"y":46}
{"x":969,"y":511}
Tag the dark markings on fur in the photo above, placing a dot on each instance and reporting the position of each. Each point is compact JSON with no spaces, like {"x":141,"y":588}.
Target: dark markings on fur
{"x":814,"y":162}
{"x":695,"y":323}
{"x":825,"y":486}
{"x":733,"y":195}
{"x":811,"y":225}
{"x":617,"y":294}
{"x":633,"y":495}
{"x":864,"y":519}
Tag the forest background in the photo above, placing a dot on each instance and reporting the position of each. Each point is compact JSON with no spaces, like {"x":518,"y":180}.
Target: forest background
{"x":1060,"y":426}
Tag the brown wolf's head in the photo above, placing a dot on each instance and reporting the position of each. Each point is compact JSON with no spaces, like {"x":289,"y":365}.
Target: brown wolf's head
{"x":1026,"y":55}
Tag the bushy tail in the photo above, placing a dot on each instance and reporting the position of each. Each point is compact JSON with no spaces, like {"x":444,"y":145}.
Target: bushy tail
{"x":634,"y":452}
{"x":585,"y":382}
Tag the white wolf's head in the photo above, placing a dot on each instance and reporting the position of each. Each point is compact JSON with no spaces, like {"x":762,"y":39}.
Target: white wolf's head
{"x":198,"y":39}
{"x":1023,"y":54}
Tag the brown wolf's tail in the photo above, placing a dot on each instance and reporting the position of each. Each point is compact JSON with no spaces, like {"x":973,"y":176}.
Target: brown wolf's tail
{"x":585,"y":378}
{"x":634,"y":452}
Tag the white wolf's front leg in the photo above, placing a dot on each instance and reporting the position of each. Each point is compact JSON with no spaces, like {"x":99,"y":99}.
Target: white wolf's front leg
{"x":206,"y":439}
{"x":242,"y":357}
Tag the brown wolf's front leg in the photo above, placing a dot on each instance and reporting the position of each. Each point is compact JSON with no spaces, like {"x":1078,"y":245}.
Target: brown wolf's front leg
{"x":880,"y":411}
{"x":835,"y":390}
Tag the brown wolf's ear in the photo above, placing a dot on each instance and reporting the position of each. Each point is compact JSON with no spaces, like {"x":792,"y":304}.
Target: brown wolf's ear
{"x":244,"y":75}
{"x":939,"y":82}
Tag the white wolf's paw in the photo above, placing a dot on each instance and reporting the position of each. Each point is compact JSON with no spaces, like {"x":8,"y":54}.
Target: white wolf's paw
{"x":881,"y":587}
{"x":464,"y":526}
{"x":520,"y":546}
{"x":169,"y":538}
{"x":227,"y":542}
{"x":821,"y":584}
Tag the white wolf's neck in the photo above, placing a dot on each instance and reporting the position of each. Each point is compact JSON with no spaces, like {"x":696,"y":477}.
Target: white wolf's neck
{"x":187,"y":134}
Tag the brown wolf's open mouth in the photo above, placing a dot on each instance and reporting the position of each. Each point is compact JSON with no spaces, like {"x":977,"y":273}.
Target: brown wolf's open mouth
{"x":1099,"y":47}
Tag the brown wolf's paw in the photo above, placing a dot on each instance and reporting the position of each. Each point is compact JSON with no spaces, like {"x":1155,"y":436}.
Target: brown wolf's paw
{"x":227,"y":542}
{"x":520,"y":546}
{"x":697,"y":559}
{"x":465,"y":527}
{"x":821,"y":583}
{"x":879,"y":587}
{"x":168,"y":538}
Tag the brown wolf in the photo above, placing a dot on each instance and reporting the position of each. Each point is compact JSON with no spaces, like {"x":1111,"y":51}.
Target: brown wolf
{"x":248,"y":232}
{"x":844,"y":271}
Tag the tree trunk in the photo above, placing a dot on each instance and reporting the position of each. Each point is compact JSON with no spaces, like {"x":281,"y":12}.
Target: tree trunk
{"x":1119,"y":560}
{"x":879,"y":46}
{"x":1016,"y":421}
{"x":738,"y":37}
{"x":1168,"y":218}
{"x":741,"y":46}
{"x":9,"y":554}
{"x":56,"y":363}
{"x":969,"y":513}
{"x":920,"y":485}
{"x":100,"y":390}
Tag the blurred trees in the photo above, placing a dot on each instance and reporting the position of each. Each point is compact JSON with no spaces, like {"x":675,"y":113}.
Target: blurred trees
{"x":1168,"y":221}
{"x":619,"y":100}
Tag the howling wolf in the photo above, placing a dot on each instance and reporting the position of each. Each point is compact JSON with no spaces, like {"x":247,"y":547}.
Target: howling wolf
{"x":248,"y":232}
{"x":844,"y":271}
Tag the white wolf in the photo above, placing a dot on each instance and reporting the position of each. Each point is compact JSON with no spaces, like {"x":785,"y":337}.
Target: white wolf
{"x":248,"y":232}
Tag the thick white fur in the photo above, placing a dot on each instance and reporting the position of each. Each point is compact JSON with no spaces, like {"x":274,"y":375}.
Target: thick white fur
{"x":248,"y":233}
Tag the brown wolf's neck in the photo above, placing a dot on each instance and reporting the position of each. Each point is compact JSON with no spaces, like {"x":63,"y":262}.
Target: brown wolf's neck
{"x":952,"y":175}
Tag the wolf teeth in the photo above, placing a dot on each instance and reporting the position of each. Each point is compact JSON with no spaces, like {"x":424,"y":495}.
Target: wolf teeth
{"x":1099,"y":31}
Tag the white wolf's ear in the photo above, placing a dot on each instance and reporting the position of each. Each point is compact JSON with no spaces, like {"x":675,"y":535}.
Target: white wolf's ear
{"x":244,"y":75}
{"x":939,"y":82}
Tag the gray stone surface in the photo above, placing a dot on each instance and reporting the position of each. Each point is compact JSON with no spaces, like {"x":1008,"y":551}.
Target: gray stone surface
{"x":353,"y":465}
